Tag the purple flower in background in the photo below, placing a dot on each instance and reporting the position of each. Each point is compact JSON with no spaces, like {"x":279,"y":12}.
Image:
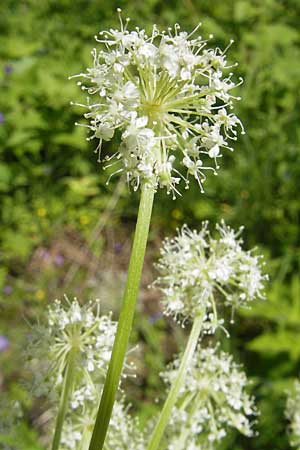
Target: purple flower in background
{"x":7,"y":290}
{"x":4,"y":343}
{"x":8,"y":68}
{"x":2,"y":118}
{"x":59,"y":260}
{"x":155,"y":317}
{"x":118,"y":247}
{"x":45,"y":255}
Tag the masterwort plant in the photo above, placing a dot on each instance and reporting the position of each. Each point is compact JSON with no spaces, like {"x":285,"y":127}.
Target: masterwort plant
{"x":212,"y":399}
{"x":200,"y":276}
{"x":165,"y":98}
{"x":68,"y":356}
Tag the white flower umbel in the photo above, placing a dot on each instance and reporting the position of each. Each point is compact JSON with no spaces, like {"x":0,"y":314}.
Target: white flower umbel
{"x":201,"y":273}
{"x":292,"y":413}
{"x":123,"y":434}
{"x":74,"y":347}
{"x":166,"y":96}
{"x":70,"y":327}
{"x":213,"y":398}
{"x":198,"y":276}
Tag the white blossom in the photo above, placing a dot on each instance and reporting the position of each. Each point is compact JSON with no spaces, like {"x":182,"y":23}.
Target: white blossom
{"x":213,"y":398}
{"x":292,"y":413}
{"x":123,"y":433}
{"x":70,"y":326}
{"x":166,"y":98}
{"x":202,"y":274}
{"x":73,"y":327}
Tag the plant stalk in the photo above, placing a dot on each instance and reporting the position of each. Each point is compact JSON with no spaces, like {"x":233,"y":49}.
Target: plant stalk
{"x":125,"y":320}
{"x":181,"y":442}
{"x":68,"y":383}
{"x":175,"y":388}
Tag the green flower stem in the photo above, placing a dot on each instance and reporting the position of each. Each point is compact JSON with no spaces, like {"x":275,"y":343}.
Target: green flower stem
{"x":125,"y":319}
{"x":68,"y":382}
{"x":181,"y":443}
{"x":175,"y":388}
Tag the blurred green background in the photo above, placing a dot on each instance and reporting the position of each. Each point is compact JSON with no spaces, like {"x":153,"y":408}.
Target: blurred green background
{"x":63,"y":230}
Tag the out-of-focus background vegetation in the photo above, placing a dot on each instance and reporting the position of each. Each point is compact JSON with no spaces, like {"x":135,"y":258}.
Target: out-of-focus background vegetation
{"x":63,"y":230}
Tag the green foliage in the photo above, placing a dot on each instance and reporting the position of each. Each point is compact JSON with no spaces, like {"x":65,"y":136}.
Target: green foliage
{"x":275,"y":362}
{"x":282,"y":316}
{"x":23,"y":439}
{"x":52,"y":187}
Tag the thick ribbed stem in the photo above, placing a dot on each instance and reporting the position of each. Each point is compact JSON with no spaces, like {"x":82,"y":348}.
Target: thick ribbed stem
{"x":125,"y":319}
{"x":68,"y":383}
{"x":175,"y":388}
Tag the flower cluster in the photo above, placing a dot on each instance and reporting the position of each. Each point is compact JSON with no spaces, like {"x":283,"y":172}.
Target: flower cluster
{"x":123,"y":434}
{"x":199,"y":273}
{"x":71,"y":326}
{"x":212,"y":399}
{"x":292,"y":413}
{"x":166,"y":97}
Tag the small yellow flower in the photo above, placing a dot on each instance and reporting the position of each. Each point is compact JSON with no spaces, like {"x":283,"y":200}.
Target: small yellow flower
{"x":226,"y":208}
{"x":177,"y":214}
{"x":244,"y":195}
{"x":84,"y":219}
{"x":40,"y":295}
{"x":41,"y":212}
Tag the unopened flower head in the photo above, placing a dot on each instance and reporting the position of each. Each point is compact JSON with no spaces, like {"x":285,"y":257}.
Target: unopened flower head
{"x":123,"y":434}
{"x":167,"y":97}
{"x":71,"y":327}
{"x":199,"y":273}
{"x":212,"y":399}
{"x":292,"y":413}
